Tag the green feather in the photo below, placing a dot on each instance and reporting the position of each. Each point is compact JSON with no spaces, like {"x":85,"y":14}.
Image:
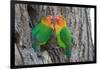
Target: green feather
{"x":64,"y":38}
{"x":40,"y":35}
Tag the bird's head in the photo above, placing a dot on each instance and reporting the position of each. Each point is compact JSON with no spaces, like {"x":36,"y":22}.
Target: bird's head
{"x":60,"y":23}
{"x":48,"y":20}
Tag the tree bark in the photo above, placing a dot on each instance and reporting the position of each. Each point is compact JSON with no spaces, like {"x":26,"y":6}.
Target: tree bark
{"x":78,"y":20}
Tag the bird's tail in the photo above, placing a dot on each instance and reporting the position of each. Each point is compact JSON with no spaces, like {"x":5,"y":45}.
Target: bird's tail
{"x":36,"y":48}
{"x":67,"y":52}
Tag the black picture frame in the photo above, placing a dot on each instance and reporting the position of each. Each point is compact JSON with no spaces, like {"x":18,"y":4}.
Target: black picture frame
{"x":12,"y":30}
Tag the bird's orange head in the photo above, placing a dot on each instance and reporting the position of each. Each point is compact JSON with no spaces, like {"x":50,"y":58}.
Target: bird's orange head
{"x":48,"y":20}
{"x":60,"y":23}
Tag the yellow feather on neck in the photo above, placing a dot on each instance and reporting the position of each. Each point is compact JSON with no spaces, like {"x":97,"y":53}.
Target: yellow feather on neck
{"x":58,"y":27}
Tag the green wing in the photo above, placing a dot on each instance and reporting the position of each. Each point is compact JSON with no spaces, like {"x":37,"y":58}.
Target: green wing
{"x":66,"y":37}
{"x":41,"y":33}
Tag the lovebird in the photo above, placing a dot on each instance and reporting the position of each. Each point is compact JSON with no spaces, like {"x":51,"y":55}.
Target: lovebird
{"x":63,"y":35}
{"x":42,"y":32}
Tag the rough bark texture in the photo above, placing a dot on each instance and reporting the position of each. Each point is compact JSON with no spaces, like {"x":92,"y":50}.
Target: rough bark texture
{"x":78,"y":19}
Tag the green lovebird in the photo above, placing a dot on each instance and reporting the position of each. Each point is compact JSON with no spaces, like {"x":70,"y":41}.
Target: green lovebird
{"x":42,"y":32}
{"x":64,"y":36}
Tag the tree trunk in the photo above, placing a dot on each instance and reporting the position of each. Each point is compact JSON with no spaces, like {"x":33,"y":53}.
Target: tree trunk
{"x":78,"y":20}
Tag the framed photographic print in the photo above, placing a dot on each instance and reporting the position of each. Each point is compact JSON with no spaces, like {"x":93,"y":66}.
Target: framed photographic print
{"x":52,"y":34}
